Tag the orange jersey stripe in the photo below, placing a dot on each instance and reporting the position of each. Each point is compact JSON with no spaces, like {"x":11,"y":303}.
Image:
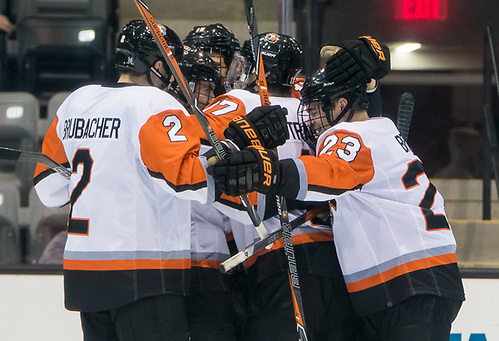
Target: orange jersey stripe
{"x":297,"y":240}
{"x":253,"y":198}
{"x":206,"y":263}
{"x":402,"y":269}
{"x":126,"y":264}
{"x":52,"y":147}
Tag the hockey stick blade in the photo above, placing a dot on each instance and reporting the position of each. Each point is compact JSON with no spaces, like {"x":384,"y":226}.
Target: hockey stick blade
{"x":203,"y":121}
{"x":24,"y":156}
{"x":404,"y":116}
{"x":249,"y":251}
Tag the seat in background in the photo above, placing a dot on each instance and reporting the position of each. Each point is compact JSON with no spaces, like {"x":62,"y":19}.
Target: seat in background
{"x":19,"y":115}
{"x":63,"y":44}
{"x":53,"y":104}
{"x":61,"y":54}
{"x":9,"y":223}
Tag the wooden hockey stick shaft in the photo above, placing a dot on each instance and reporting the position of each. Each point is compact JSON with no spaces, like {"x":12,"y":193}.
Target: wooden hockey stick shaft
{"x":281,"y":201}
{"x":252,"y":249}
{"x":24,"y":156}
{"x":404,"y":116}
{"x":203,"y":121}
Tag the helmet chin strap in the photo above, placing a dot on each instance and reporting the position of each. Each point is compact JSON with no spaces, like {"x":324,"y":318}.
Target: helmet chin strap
{"x":351,"y":106}
{"x":158,"y":74}
{"x":340,"y":116}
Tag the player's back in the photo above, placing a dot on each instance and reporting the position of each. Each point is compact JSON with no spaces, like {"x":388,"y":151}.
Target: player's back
{"x":392,"y":235}
{"x":99,"y":133}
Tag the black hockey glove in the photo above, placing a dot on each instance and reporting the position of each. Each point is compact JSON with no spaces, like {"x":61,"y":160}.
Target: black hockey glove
{"x":249,"y":170}
{"x":264,"y":126}
{"x":357,"y":61}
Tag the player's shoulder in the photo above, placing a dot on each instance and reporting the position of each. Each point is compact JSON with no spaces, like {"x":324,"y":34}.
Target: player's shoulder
{"x":379,"y":124}
{"x":287,"y":102}
{"x":151,"y":97}
{"x":249,"y":99}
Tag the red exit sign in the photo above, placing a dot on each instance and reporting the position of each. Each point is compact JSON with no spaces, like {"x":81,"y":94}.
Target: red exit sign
{"x":421,"y":10}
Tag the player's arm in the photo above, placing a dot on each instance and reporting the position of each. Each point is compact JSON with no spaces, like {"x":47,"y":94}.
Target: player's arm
{"x":263,"y":125}
{"x":343,"y":163}
{"x":51,"y":187}
{"x":169,"y":148}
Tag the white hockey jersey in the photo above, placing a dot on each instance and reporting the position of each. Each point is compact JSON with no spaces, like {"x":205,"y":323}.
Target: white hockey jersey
{"x":133,"y":153}
{"x":240,"y":102}
{"x":391,"y":233}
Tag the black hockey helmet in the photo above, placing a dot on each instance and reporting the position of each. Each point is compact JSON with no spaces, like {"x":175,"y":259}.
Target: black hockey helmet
{"x":282,"y":58}
{"x":214,"y":38}
{"x":315,"y":113}
{"x":136,"y":49}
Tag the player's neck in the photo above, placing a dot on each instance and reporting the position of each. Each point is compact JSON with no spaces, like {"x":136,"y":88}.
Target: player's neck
{"x":133,"y":79}
{"x":360,"y":115}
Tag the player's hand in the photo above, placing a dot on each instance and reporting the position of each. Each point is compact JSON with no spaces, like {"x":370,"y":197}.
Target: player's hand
{"x":249,"y":170}
{"x":264,"y":126}
{"x":211,"y":155}
{"x":357,"y":61}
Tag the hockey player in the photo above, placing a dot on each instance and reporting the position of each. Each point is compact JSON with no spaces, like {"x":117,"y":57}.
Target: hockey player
{"x":134,"y":155}
{"x":270,"y":313}
{"x":207,"y":52}
{"x":394,"y":244}
{"x":124,"y":268}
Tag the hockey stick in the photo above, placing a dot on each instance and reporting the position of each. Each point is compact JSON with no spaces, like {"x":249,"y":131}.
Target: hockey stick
{"x":203,"y":121}
{"x":404,"y":116}
{"x":24,"y":156}
{"x":249,"y":251}
{"x":281,"y":201}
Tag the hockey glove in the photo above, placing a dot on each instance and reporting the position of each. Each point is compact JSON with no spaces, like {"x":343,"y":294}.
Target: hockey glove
{"x":249,"y":170}
{"x":357,"y":61}
{"x":264,"y":126}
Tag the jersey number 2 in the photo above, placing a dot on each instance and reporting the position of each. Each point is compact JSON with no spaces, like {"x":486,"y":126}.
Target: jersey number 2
{"x":433,"y":221}
{"x":82,"y":157}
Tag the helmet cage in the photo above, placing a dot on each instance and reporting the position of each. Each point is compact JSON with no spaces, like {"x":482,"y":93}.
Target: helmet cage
{"x":315,"y":113}
{"x":202,"y":74}
{"x":238,"y":73}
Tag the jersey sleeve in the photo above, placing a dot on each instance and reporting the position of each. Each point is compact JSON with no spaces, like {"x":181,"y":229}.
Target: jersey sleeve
{"x":222,"y":110}
{"x":343,"y":163}
{"x":51,"y":187}
{"x":169,"y":148}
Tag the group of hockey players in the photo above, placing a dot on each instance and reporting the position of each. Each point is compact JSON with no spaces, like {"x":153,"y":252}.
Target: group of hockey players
{"x":154,"y":212}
